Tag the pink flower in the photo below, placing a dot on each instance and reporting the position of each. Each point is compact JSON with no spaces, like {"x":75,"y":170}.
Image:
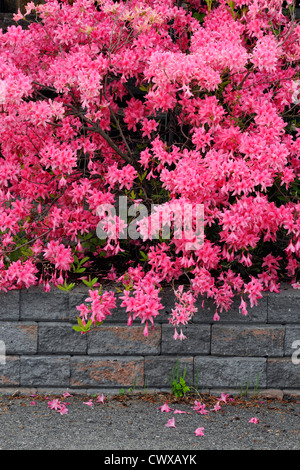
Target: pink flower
{"x":254,"y":420}
{"x":266,"y":53}
{"x":30,"y":6}
{"x":54,"y":404}
{"x":243,"y":307}
{"x":216,"y":317}
{"x":171,"y":423}
{"x":165,"y":408}
{"x":18,"y":16}
{"x":146,"y":331}
{"x":57,"y":254}
{"x":149,"y":125}
{"x":224,"y":397}
{"x":199,"y":432}
{"x":176,"y":335}
{"x":180,"y":336}
{"x":33,"y":403}
{"x":100,"y":398}
{"x":202,"y":410}
{"x":63,"y":410}
{"x":198,"y":405}
{"x":67,"y":394}
{"x":216,"y":407}
{"x":89,"y":403}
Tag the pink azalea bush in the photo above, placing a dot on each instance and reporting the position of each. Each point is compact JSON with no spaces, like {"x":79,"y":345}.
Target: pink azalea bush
{"x":166,"y":103}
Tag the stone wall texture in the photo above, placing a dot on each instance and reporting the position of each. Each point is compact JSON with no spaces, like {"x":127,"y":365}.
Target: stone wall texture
{"x":43,"y":351}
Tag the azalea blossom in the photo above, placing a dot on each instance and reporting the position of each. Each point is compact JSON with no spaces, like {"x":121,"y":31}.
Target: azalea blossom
{"x":63,"y":410}
{"x":200,"y":408}
{"x":54,"y":404}
{"x":89,"y":403}
{"x":171,"y":423}
{"x":180,"y":336}
{"x":100,"y":398}
{"x":165,"y":407}
{"x":29,"y":7}
{"x":224,"y":397}
{"x":216,"y":316}
{"x":216,"y":407}
{"x":18,"y":16}
{"x":199,"y":432}
{"x":2,"y":91}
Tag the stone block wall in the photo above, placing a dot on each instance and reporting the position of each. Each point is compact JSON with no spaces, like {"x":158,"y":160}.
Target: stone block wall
{"x":43,"y":352}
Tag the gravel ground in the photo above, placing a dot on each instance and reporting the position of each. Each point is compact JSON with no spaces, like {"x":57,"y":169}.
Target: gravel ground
{"x":134,"y":422}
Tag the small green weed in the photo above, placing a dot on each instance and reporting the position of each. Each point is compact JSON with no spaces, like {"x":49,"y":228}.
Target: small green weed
{"x":178,"y":385}
{"x":254,"y":390}
{"x":132,"y":389}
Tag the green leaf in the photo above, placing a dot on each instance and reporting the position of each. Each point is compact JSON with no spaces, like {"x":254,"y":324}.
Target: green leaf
{"x":199,"y":16}
{"x":143,"y":88}
{"x":61,"y":287}
{"x":84,"y":260}
{"x":144,"y":256}
{"x":90,"y":283}
{"x":79,"y":270}
{"x":66,"y":287}
{"x":143,"y":176}
{"x":77,"y":328}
